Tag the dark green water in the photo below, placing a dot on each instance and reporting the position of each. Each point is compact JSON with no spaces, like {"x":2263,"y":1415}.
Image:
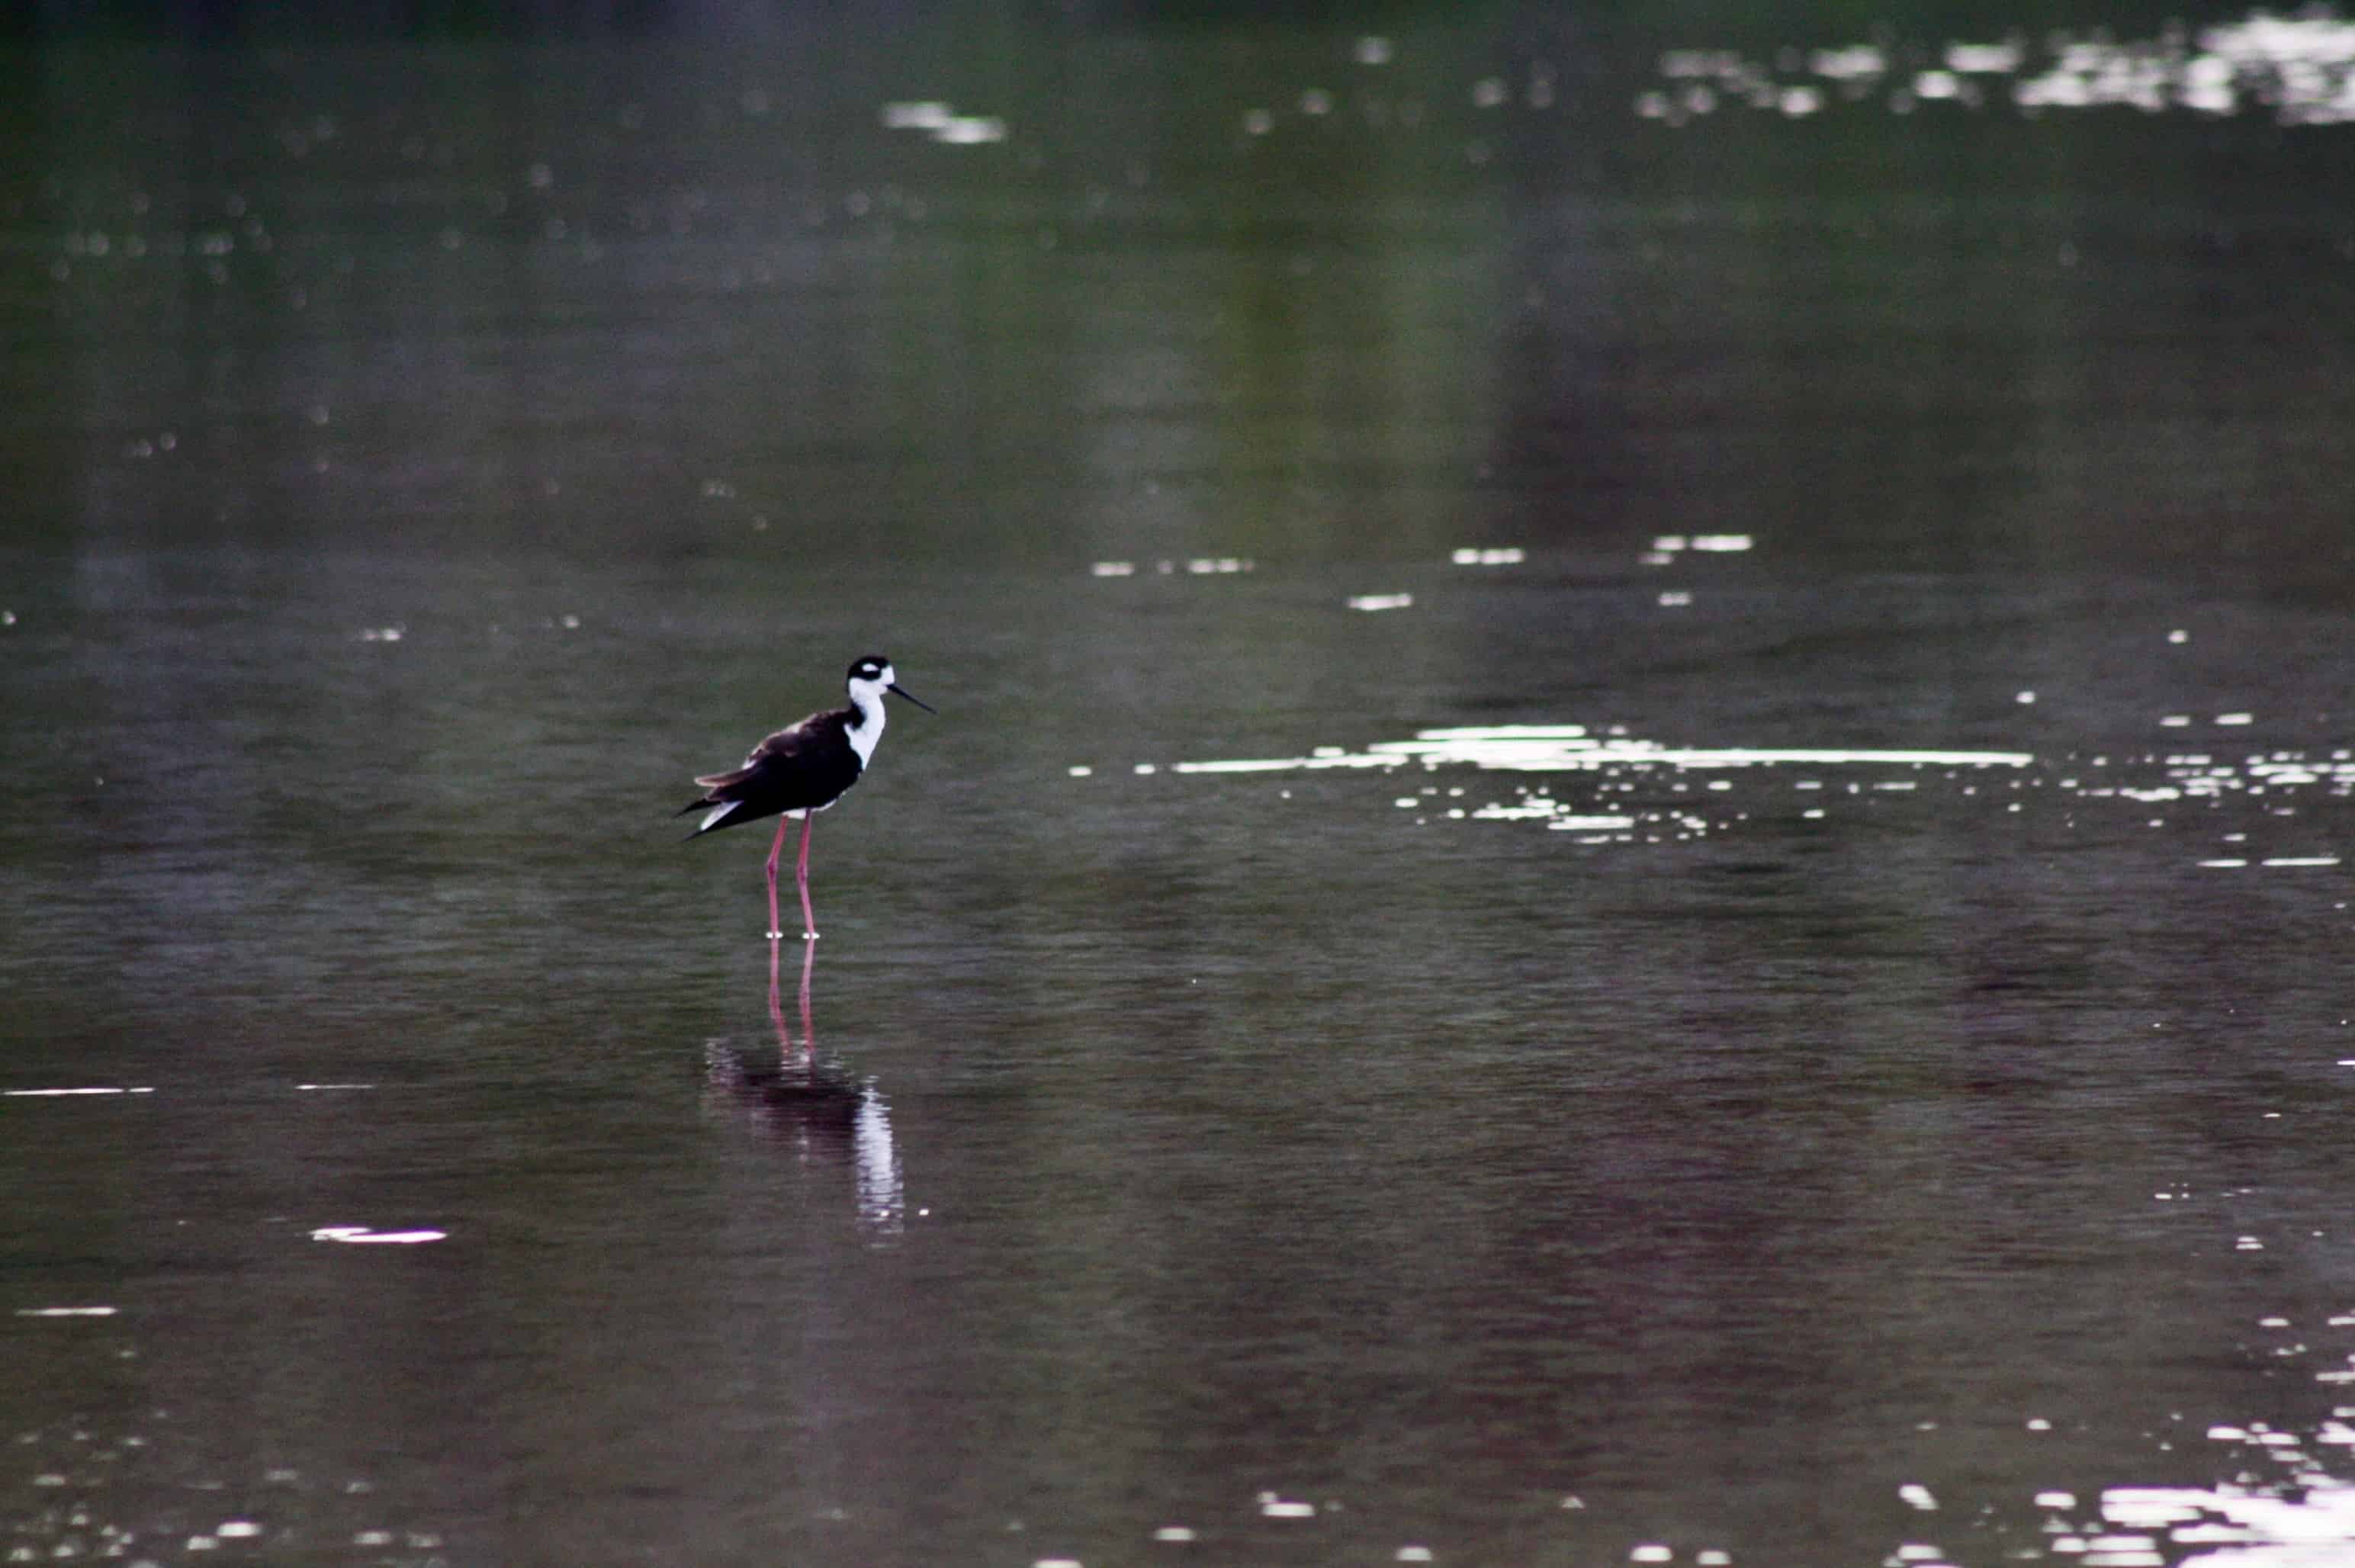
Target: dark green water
{"x":422,"y":459}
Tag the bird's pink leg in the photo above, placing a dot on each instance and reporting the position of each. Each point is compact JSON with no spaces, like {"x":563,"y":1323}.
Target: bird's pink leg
{"x":809,"y":920}
{"x":774,"y":850}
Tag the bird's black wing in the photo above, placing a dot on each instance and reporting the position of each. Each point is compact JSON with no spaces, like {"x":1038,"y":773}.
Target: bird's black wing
{"x":804,"y":764}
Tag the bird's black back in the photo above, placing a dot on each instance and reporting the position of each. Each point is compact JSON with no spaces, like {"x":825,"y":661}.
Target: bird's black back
{"x":806,"y":766}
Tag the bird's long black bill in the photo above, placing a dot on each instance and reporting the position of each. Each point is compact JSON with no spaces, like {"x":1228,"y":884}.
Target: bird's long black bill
{"x":896,"y":689}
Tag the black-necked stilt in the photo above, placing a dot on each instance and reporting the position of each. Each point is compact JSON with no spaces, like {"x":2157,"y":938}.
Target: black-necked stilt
{"x":800,"y":770}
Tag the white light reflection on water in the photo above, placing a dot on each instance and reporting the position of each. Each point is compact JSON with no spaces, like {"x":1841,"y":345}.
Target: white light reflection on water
{"x":2125,"y":1535}
{"x":2279,"y":1508}
{"x":943,"y":124}
{"x":1552,"y":748}
{"x":883,"y":1199}
{"x":2299,"y":69}
{"x":2242,"y":1525}
{"x":971,"y":131}
{"x":2185,"y":784}
{"x":1569,"y":747}
{"x":362,"y":1235}
{"x":1707,"y":544}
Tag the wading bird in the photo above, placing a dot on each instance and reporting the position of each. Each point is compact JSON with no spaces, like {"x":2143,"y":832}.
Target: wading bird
{"x":799,"y":772}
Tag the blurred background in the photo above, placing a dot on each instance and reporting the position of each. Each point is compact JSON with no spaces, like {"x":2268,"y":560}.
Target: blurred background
{"x":1633,"y":848}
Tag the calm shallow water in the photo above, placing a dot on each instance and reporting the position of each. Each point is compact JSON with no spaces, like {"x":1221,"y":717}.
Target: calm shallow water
{"x":1740,"y":1135}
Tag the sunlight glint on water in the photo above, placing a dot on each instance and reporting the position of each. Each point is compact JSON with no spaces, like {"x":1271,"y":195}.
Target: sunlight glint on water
{"x":2200,"y":780}
{"x":2299,"y":69}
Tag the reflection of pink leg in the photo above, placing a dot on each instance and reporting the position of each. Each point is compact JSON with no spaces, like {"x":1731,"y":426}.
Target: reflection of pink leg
{"x":776,"y":1006}
{"x":809,"y":920}
{"x":809,"y":1031}
{"x":774,"y":850}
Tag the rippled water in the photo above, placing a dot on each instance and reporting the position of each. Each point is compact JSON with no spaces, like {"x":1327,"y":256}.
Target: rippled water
{"x":1636,"y":848}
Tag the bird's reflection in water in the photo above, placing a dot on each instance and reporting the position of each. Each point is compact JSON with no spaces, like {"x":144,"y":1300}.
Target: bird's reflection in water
{"x":826,"y":1116}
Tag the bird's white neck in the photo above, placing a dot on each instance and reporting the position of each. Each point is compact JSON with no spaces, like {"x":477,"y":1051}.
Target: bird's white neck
{"x":867,"y":727}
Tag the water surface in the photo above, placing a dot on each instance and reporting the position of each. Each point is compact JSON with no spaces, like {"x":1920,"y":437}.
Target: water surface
{"x":1774,"y":985}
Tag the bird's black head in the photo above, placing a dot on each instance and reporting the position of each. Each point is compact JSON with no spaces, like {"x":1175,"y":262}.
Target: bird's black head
{"x":873,"y":676}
